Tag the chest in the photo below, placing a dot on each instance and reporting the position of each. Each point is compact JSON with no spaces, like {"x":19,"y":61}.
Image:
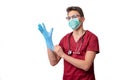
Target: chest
{"x":78,"y":48}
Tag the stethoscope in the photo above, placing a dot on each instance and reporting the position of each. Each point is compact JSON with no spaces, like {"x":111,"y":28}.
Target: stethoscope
{"x":70,"y":52}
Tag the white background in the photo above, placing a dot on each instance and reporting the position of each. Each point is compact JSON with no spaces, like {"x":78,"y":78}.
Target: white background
{"x":23,"y":54}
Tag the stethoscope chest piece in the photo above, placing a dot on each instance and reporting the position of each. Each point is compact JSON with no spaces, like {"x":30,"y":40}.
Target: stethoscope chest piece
{"x":69,"y":52}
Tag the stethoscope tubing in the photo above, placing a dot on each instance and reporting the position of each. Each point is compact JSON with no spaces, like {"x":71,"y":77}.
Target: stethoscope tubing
{"x":70,"y":52}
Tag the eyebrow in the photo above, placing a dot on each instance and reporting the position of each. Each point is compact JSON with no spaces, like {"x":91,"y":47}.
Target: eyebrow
{"x":75,"y":15}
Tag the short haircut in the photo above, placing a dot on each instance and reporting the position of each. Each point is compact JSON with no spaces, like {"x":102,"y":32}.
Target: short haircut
{"x":75,"y":8}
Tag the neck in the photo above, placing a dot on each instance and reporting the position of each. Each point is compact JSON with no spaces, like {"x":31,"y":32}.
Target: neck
{"x":78,"y":33}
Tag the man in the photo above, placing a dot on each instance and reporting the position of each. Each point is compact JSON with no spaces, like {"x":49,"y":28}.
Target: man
{"x":78,"y":48}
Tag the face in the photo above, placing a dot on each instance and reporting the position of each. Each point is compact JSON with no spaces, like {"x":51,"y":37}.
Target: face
{"x":74,"y":14}
{"x":74,"y":20}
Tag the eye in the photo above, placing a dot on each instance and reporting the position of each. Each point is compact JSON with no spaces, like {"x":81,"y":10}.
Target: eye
{"x":68,"y":18}
{"x":74,"y":16}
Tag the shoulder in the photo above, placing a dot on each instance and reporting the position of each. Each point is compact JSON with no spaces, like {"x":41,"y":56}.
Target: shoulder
{"x":65,"y":38}
{"x":90,"y":34}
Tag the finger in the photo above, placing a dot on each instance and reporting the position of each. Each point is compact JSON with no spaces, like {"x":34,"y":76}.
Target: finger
{"x":44,"y":28}
{"x":40,"y":27}
{"x":51,"y":31}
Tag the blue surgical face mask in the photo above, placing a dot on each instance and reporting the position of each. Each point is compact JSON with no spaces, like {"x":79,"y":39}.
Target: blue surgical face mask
{"x":74,"y":23}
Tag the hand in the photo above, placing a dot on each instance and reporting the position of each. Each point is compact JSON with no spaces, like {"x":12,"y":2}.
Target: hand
{"x":58,"y":50}
{"x":47,"y":36}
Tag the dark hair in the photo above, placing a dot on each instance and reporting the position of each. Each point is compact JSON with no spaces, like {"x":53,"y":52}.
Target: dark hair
{"x":75,"y":8}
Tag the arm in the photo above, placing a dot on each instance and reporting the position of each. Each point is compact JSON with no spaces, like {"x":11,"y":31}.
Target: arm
{"x":82,"y":64}
{"x":47,"y":35}
{"x":53,"y":58}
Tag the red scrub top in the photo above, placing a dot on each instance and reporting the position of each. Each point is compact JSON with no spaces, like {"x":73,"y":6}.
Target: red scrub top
{"x":88,"y":42}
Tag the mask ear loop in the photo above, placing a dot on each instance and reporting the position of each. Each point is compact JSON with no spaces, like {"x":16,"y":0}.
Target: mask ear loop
{"x":69,"y":51}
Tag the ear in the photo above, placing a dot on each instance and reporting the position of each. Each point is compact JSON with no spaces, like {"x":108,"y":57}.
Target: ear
{"x":83,"y":19}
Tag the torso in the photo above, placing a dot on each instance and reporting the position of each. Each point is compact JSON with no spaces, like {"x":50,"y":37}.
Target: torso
{"x":71,"y":71}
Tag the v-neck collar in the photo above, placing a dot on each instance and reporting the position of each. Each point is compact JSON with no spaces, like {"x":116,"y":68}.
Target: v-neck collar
{"x":79,"y":37}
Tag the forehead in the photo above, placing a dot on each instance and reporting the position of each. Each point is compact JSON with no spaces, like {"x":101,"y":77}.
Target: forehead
{"x":73,"y":12}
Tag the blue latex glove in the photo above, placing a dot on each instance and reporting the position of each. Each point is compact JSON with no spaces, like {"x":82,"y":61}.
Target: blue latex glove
{"x":47,"y":36}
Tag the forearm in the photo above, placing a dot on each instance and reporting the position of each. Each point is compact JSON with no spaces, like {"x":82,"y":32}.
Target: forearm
{"x":82,"y":64}
{"x":76,"y":62}
{"x":53,"y":58}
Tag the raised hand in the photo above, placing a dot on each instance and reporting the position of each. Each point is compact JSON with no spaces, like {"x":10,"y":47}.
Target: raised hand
{"x":47,"y":35}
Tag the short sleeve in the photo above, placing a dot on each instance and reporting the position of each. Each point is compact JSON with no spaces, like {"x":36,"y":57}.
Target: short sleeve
{"x":93,"y":44}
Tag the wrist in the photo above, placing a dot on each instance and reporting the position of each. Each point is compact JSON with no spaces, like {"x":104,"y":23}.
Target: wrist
{"x":63,"y":55}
